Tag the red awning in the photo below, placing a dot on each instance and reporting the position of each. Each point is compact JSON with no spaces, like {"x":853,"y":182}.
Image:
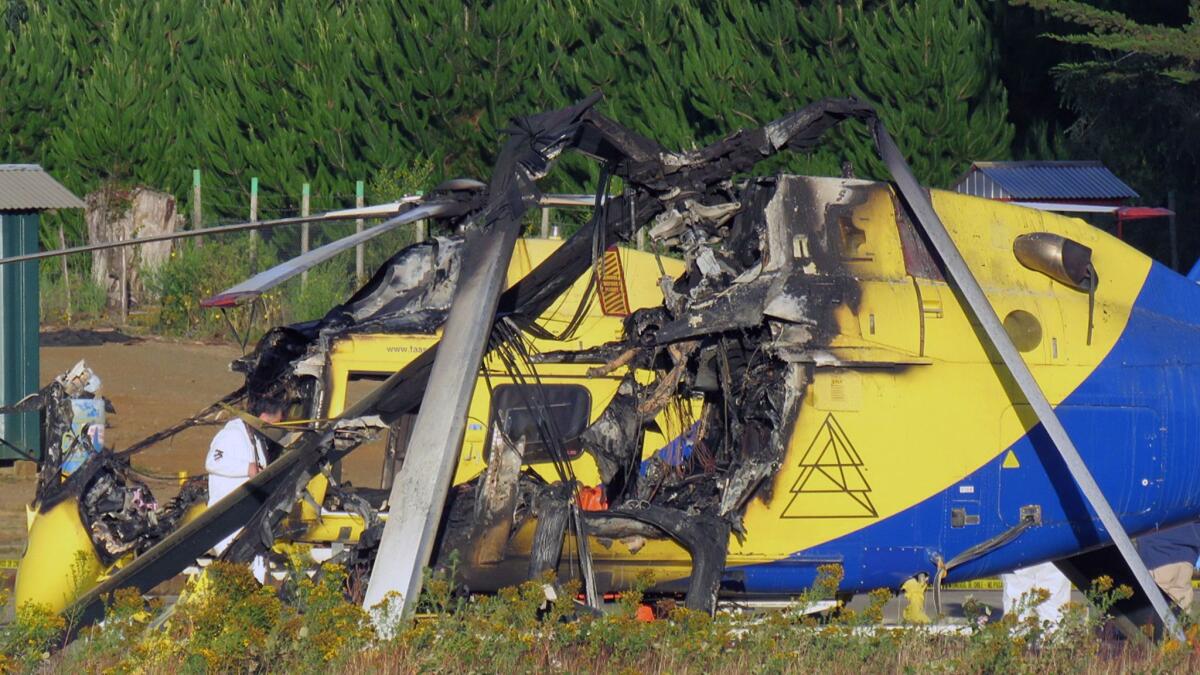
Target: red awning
{"x":1142,"y":212}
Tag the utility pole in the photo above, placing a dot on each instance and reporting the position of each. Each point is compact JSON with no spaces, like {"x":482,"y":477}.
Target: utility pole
{"x":545,"y":223}
{"x":358,"y":228}
{"x":304,"y":232}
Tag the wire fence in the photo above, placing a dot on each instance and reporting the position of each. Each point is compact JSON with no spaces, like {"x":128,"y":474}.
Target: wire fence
{"x":198,"y":268}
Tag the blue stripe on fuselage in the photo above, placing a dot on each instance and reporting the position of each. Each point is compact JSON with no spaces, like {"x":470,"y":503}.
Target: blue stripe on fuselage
{"x":1134,"y":420}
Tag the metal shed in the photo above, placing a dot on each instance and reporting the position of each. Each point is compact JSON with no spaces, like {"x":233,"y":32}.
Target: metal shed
{"x":25,"y":191}
{"x":1081,"y":189}
{"x":1074,"y":182}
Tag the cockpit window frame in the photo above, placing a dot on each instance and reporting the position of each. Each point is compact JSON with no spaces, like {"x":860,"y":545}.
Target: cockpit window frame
{"x":508,"y":396}
{"x":919,"y":261}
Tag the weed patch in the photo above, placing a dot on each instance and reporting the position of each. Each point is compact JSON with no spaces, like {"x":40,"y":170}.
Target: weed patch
{"x":228,"y":623}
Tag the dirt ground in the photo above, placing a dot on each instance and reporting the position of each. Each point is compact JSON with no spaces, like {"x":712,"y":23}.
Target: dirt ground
{"x":152,"y":384}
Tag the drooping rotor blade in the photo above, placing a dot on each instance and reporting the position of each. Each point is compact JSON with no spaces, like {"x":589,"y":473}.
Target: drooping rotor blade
{"x":560,"y":201}
{"x":399,"y":394}
{"x":418,"y":495}
{"x":344,"y":214}
{"x":393,"y":208}
{"x":979,"y":306}
{"x":419,"y":491}
{"x":375,"y":210}
{"x":268,"y":279}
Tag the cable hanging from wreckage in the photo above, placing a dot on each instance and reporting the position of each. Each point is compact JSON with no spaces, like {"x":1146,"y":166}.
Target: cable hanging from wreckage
{"x":750,"y":394}
{"x":737,"y":331}
{"x":683,"y":194}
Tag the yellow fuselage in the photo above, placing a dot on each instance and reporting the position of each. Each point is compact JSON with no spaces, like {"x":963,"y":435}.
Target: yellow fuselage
{"x":907,"y":418}
{"x":907,"y":399}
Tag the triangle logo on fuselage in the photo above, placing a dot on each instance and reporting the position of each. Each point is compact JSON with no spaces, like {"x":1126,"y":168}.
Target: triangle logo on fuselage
{"x":831,"y":482}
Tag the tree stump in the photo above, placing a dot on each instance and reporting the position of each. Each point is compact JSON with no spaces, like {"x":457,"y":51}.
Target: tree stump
{"x":115,"y":214}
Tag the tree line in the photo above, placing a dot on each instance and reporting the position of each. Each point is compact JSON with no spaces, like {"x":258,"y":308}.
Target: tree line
{"x":332,"y":91}
{"x":328,"y":91}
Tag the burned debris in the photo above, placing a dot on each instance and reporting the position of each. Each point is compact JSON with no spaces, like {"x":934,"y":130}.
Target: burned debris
{"x":734,"y":340}
{"x":409,"y":293}
{"x":117,"y":509}
{"x":121,"y":512}
{"x":734,"y":336}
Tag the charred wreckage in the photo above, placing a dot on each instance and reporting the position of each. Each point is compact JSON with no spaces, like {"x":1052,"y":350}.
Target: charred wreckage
{"x":737,"y":335}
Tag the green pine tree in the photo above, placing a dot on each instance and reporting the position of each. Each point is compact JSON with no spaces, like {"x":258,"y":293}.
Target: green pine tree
{"x":1136,"y":90}
{"x":330,"y":92}
{"x":930,"y":66}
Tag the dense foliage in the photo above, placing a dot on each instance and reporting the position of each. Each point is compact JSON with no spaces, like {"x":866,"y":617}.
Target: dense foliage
{"x":1134,"y":88}
{"x":329,"y":92}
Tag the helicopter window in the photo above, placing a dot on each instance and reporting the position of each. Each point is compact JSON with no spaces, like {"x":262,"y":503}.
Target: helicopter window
{"x":563,"y":408}
{"x":1023,"y":329}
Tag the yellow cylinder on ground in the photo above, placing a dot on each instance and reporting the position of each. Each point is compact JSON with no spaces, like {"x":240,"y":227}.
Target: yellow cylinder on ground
{"x":60,"y":562}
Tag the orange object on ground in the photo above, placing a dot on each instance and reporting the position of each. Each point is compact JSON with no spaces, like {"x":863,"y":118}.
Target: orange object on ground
{"x":645,"y":613}
{"x":593,"y":499}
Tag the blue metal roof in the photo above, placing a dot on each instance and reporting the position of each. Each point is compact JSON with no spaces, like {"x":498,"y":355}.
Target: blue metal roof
{"x":1049,"y":180}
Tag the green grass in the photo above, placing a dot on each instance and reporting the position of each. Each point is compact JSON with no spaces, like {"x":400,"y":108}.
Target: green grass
{"x":87,"y":298}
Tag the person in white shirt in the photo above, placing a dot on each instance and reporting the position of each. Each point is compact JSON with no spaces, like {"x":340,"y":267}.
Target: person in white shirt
{"x":237,"y":453}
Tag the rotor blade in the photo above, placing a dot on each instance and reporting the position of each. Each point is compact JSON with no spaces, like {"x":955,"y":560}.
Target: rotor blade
{"x":264,"y":281}
{"x":419,"y":493}
{"x":220,"y":229}
{"x":375,"y":210}
{"x":268,"y":279}
{"x":392,"y":208}
{"x":399,"y":394}
{"x":922,"y":208}
{"x":554,"y":200}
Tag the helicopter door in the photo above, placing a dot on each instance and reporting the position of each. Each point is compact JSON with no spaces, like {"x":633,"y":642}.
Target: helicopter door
{"x":929,"y":287}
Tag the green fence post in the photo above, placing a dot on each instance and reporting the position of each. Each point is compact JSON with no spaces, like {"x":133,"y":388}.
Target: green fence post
{"x":358,"y":228}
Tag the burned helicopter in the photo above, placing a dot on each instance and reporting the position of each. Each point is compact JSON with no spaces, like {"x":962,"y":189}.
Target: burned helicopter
{"x":898,"y":381}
